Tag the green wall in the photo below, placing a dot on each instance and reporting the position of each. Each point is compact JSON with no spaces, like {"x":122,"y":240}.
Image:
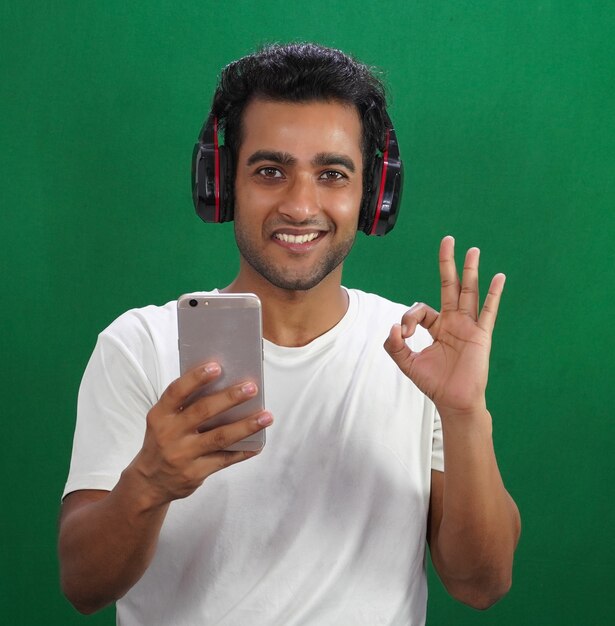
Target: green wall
{"x":505,"y":115}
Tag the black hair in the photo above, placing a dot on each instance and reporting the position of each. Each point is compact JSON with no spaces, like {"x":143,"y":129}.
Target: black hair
{"x":302,"y":72}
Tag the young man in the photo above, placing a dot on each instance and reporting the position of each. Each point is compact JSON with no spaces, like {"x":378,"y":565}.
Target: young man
{"x":328,"y":524}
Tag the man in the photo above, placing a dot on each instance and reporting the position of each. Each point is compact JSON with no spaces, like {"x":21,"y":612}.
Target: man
{"x":328,"y":524}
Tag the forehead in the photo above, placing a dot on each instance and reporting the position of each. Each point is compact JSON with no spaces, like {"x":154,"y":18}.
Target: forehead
{"x":301,"y":129}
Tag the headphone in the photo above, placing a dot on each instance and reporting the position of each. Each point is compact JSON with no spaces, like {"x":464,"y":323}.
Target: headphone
{"x":212,"y":177}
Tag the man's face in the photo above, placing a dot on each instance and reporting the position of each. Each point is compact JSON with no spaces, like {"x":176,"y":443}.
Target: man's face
{"x":298,"y":190}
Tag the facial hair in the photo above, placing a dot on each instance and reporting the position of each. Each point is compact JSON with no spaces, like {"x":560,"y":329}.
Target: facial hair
{"x":285,"y":276}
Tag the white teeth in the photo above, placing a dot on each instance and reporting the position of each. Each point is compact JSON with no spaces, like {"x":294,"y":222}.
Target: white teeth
{"x":296,"y":238}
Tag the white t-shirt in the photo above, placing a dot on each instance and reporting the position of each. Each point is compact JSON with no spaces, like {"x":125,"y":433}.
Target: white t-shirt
{"x":326,"y":526}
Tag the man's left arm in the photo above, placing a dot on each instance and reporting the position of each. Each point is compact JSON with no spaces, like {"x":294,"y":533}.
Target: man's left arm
{"x":474,"y":524}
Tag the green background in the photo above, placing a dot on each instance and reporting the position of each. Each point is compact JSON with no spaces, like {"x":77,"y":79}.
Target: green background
{"x":505,"y":116}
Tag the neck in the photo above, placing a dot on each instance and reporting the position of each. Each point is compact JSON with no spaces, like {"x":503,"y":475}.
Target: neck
{"x":295,"y":318}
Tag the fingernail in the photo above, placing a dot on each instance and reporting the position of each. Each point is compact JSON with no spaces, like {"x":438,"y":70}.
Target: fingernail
{"x":404,"y":329}
{"x":212,"y":368}
{"x":248,"y":388}
{"x":265,"y":419}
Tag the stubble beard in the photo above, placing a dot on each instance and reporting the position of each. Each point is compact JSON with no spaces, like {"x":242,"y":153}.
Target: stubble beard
{"x":284,"y":276}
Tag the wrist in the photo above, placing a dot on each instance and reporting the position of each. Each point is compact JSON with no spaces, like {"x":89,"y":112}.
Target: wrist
{"x":477,"y":419}
{"x":145,"y":498}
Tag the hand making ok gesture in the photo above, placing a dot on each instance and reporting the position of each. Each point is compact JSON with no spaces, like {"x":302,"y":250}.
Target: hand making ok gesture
{"x":453,"y":370}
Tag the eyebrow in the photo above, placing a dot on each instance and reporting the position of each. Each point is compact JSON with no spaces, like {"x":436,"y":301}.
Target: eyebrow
{"x":285,"y":158}
{"x":328,"y":158}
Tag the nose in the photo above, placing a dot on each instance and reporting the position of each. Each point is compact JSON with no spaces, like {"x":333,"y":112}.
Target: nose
{"x":301,"y":199}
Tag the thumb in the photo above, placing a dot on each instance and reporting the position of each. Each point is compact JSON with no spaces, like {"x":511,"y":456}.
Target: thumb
{"x":398,"y":349}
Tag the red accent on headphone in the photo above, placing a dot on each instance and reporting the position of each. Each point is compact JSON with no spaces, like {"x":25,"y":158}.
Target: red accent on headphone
{"x":216,"y":171}
{"x":385,"y":164}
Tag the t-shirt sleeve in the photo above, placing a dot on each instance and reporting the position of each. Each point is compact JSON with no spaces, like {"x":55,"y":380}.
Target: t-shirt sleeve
{"x":114,"y":398}
{"x":437,"y":448}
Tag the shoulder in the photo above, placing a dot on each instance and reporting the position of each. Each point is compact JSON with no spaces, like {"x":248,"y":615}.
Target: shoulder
{"x":149,"y":321}
{"x":142,"y":323}
{"x":143,"y":341}
{"x":377,"y":313}
{"x":140,"y":328}
{"x":373,"y":303}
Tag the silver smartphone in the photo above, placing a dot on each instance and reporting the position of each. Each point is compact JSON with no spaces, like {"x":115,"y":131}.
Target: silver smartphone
{"x":227,"y":329}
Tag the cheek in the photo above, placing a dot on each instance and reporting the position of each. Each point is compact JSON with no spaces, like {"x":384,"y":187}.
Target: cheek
{"x":249,"y":206}
{"x":347,"y":206}
{"x":245,"y":218}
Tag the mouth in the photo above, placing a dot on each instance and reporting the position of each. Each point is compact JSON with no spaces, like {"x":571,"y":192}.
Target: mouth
{"x":298,"y":240}
{"x":288,"y":238}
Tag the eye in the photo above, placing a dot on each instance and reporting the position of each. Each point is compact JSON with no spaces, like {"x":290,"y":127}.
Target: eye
{"x":332,"y":175}
{"x":269,"y":172}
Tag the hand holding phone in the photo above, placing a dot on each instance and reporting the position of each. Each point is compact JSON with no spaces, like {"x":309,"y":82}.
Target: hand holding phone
{"x":175,"y":458}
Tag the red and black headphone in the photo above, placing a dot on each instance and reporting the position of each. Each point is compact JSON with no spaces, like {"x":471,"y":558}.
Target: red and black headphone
{"x":212,"y":173}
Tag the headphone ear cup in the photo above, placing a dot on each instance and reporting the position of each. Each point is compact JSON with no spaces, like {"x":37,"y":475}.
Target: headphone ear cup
{"x":212,"y":178}
{"x":385,"y":188}
{"x":370,"y":202}
{"x":203,"y":179}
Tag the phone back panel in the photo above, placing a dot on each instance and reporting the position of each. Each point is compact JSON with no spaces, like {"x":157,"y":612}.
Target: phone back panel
{"x":227,"y":329}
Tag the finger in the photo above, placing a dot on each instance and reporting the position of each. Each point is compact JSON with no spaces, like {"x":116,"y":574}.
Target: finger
{"x":208,"y":406}
{"x":224,"y":436}
{"x":418,"y":314}
{"x":207,"y":465}
{"x":398,"y":349}
{"x":489,"y":312}
{"x":449,"y":280}
{"x":468,"y":298}
{"x":176,"y":394}
{"x":395,"y":344}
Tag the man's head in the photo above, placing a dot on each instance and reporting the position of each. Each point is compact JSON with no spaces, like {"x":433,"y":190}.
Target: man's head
{"x":301,"y":73}
{"x":303,"y":126}
{"x":298,"y":189}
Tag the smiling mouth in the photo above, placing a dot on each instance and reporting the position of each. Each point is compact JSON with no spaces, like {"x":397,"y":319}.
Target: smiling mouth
{"x":286,"y":238}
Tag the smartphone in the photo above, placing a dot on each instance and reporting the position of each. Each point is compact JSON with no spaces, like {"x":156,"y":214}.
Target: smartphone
{"x":227,"y":329}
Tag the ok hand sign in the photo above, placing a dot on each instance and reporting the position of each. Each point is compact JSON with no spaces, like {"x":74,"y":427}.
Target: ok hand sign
{"x":453,"y":370}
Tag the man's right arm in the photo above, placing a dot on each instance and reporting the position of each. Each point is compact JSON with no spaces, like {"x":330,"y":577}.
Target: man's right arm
{"x":108,"y":539}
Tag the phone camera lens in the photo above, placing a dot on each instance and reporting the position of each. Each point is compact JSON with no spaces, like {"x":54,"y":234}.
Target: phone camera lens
{"x":193,"y":302}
